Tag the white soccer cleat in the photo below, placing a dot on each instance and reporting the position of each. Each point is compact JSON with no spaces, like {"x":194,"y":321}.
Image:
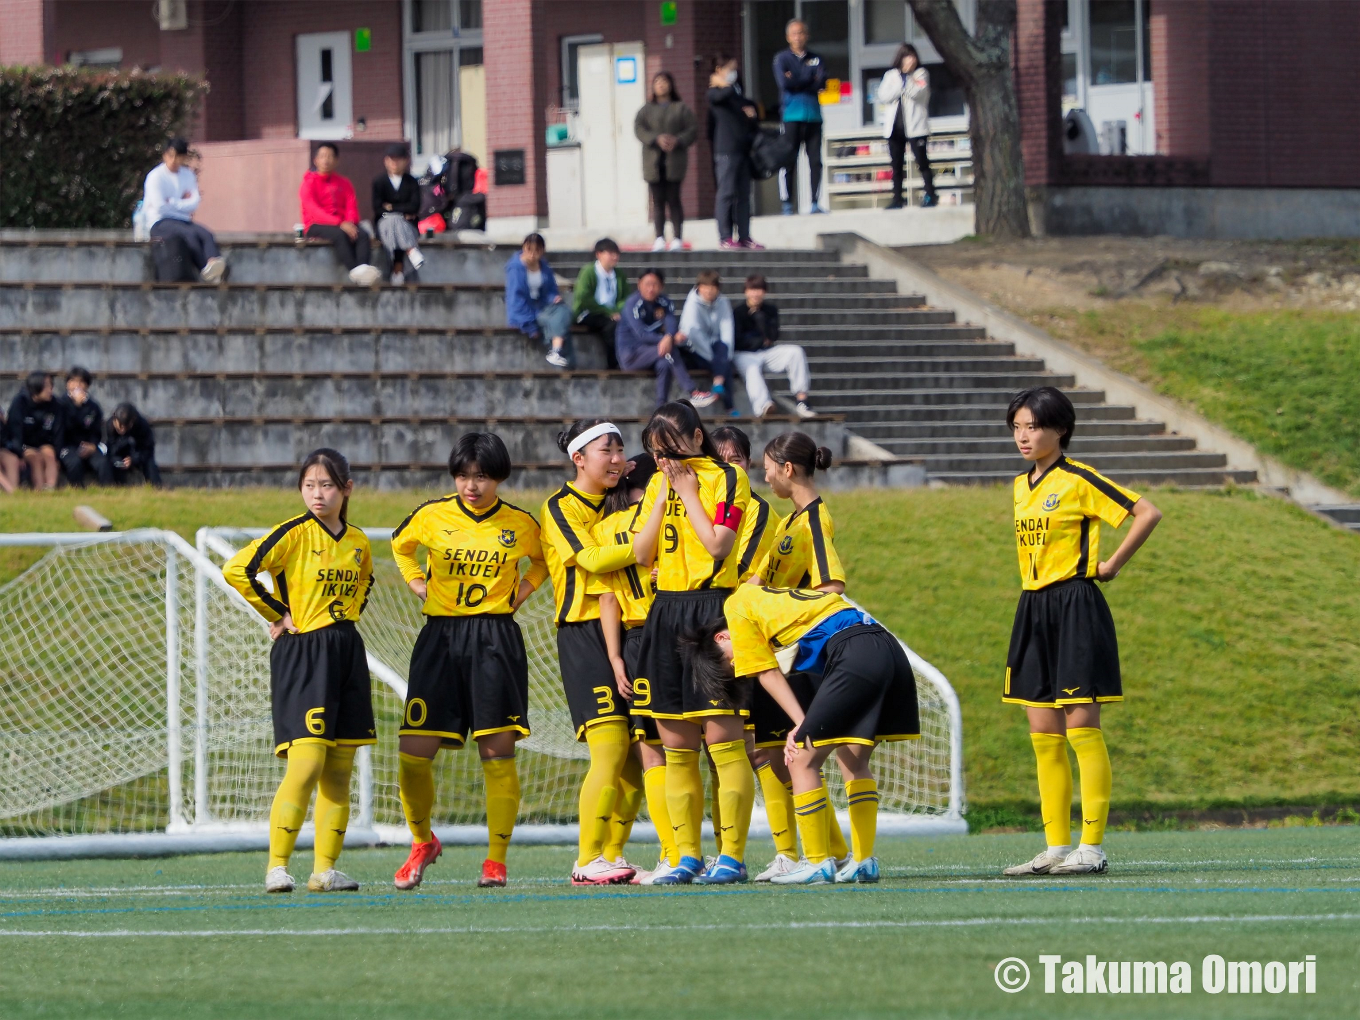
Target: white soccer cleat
{"x":213,"y":270}
{"x":1043,"y":864}
{"x":331,"y":880}
{"x":622,"y":862}
{"x":1084,"y":860}
{"x":278,"y":880}
{"x":808,"y":873}
{"x":865,"y":871}
{"x":365,"y":276}
{"x":662,"y":869}
{"x":600,"y":872}
{"x":781,"y":865}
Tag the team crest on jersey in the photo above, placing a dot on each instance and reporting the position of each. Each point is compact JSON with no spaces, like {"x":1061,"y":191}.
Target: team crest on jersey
{"x":358,"y":557}
{"x":507,"y":538}
{"x":786,"y":545}
{"x":1051,"y":501}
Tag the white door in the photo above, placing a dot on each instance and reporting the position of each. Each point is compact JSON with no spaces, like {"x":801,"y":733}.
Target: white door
{"x":325,"y":104}
{"x":630,"y":93}
{"x":612,"y":88}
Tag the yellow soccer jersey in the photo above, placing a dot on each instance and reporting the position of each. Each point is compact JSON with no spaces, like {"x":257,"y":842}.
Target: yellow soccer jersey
{"x":318,"y":578}
{"x":682,"y":562}
{"x":757,"y":535}
{"x":472,"y":559}
{"x":1057,"y":521}
{"x":569,"y":517}
{"x":764,"y":620}
{"x":632,"y":585}
{"x":801,"y":551}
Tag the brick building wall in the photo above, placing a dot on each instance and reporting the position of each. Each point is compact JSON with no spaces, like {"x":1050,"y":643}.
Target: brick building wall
{"x":97,"y":24}
{"x":23,"y":34}
{"x":1038,"y":88}
{"x":1180,"y":77}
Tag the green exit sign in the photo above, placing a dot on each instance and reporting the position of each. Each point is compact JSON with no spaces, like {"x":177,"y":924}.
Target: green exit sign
{"x":363,"y":40}
{"x":668,"y":12}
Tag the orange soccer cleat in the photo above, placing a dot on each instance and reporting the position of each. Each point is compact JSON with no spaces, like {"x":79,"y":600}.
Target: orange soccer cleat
{"x":422,"y":856}
{"x":493,"y":874}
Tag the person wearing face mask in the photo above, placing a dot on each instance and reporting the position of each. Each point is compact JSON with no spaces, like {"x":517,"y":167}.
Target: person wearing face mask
{"x":732,"y":126}
{"x":666,"y":127}
{"x":904,"y":97}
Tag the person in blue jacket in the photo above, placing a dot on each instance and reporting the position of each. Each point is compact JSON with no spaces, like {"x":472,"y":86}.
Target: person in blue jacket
{"x":646,"y":339}
{"x":801,"y":75}
{"x":533,"y":304}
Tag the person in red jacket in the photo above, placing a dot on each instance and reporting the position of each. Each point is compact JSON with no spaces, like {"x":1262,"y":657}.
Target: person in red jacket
{"x":330,"y":211}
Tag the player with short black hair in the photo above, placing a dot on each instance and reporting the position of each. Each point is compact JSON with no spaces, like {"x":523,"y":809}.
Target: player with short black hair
{"x":1063,"y":661}
{"x":469,"y":669}
{"x":320,"y":572}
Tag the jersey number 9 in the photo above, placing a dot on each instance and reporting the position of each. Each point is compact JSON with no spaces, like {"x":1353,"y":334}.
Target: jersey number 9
{"x":672,"y":538}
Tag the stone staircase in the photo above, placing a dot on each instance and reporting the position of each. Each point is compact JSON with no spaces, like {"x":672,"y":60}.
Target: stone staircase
{"x":1347,"y":515}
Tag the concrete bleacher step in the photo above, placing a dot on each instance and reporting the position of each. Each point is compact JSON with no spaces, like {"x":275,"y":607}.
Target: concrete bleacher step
{"x":854,"y":361}
{"x":1190,"y":478}
{"x":995,"y":429}
{"x":953,"y":446}
{"x":834,"y":384}
{"x":946,"y":415}
{"x":955,"y":463}
{"x":931,"y":342}
{"x":1347,"y":515}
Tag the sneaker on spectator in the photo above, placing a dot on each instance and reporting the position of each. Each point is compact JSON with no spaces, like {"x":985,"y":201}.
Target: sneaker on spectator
{"x":398,"y":279}
{"x":365,"y":276}
{"x":676,"y":245}
{"x":416,"y":258}
{"x":659,"y":244}
{"x":752,"y":245}
{"x":556,"y":360}
{"x":213,"y":270}
{"x":762,"y":412}
{"x":729,"y":244}
{"x":803,"y":410}
{"x":787,"y":209}
{"x":701,"y":399}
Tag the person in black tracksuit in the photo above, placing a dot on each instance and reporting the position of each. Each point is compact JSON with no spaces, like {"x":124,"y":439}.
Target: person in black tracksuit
{"x":81,"y":452}
{"x":131,"y":446}
{"x":800,"y":75}
{"x":732,"y":125}
{"x":35,"y":426}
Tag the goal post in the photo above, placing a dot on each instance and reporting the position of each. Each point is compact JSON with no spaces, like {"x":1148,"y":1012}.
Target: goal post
{"x":135,"y":712}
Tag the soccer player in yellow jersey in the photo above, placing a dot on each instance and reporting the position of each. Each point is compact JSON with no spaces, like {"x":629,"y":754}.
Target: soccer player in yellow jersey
{"x":865,"y":693}
{"x":1063,"y":662}
{"x":469,"y":672}
{"x":320,"y":571}
{"x":692,"y":517}
{"x":598,"y":711}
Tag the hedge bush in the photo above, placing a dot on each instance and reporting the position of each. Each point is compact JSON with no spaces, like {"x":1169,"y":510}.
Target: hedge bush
{"x":75,"y":146}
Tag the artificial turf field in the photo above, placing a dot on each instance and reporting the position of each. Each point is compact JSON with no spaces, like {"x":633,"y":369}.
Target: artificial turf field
{"x":196,"y":937}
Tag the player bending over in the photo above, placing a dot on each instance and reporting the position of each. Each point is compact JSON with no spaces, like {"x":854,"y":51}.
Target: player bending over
{"x":864,"y":692}
{"x":469,"y":670}
{"x":1063,"y":662}
{"x":321,"y":571}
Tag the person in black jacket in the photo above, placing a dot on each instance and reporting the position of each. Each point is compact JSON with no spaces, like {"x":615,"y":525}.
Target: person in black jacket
{"x":10,"y":465}
{"x":81,"y":452}
{"x":755,"y":337}
{"x":732,"y":125}
{"x":131,"y":446}
{"x":36,"y":425}
{"x":396,"y":206}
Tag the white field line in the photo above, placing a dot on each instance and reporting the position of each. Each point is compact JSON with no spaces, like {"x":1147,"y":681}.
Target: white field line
{"x":963,"y":922}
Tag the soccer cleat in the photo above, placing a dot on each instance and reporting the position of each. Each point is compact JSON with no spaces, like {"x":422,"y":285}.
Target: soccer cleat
{"x":803,"y":410}
{"x":365,"y":276}
{"x":676,"y":245}
{"x":422,"y":856}
{"x":865,"y":871}
{"x":278,"y":880}
{"x":1043,"y":864}
{"x":659,"y":244}
{"x":682,"y":874}
{"x":724,"y":871}
{"x":781,"y":865}
{"x":493,"y":875}
{"x":213,"y":270}
{"x":638,"y":873}
{"x":808,"y":873}
{"x":1084,"y":860}
{"x":331,"y":880}
{"x":701,"y":399}
{"x":600,"y":872}
{"x":556,"y":359}
{"x":653,"y":877}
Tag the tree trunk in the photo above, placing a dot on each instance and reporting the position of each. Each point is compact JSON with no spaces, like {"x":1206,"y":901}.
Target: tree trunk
{"x":982,"y":62}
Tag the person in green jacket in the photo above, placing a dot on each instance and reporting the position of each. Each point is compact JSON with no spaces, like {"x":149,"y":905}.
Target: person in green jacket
{"x":598,"y":298}
{"x":667,"y":128}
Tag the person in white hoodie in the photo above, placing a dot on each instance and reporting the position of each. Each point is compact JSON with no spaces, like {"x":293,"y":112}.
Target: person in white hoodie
{"x":170,"y":197}
{"x":705,"y":337}
{"x":904,"y":97}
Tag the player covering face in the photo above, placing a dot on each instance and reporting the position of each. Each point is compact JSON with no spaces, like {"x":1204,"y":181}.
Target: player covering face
{"x":310,"y":577}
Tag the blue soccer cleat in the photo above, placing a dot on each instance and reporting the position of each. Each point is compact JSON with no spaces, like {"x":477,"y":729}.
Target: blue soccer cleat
{"x":865,"y":871}
{"x":724,"y":871}
{"x":683,"y":874}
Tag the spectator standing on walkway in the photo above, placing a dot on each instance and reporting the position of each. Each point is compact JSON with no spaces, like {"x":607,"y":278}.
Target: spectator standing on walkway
{"x":705,"y":336}
{"x":534,"y":305}
{"x":169,"y":199}
{"x":131,"y":445}
{"x":666,"y":127}
{"x":80,"y":453}
{"x":646,"y":339}
{"x":904,"y":97}
{"x":36,"y":424}
{"x":396,"y":206}
{"x":801,"y":76}
{"x":597,"y":300}
{"x":758,"y":350}
{"x":330,"y":211}
{"x":732,"y":126}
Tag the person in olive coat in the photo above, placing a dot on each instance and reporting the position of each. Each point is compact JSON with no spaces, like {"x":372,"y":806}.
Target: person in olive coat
{"x":666,"y":127}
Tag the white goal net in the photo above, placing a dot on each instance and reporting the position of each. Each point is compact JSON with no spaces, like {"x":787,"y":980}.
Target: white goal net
{"x":134,"y":711}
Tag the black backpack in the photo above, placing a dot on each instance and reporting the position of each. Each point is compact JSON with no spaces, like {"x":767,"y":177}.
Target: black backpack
{"x":770,"y":150}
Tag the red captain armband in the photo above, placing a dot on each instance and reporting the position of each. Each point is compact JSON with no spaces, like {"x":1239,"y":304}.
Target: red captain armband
{"x":728,"y":516}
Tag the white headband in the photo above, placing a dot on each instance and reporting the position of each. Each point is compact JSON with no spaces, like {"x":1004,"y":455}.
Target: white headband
{"x":594,"y":432}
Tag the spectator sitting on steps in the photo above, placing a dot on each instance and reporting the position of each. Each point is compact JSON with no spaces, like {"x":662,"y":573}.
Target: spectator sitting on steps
{"x":396,"y":204}
{"x":169,"y":198}
{"x":131,"y":445}
{"x":758,"y":350}
{"x":597,"y":300}
{"x":36,"y":425}
{"x":646,"y":339}
{"x":331,"y":212}
{"x":10,"y":464}
{"x":534,"y":305}
{"x":705,"y":337}
{"x":80,"y":453}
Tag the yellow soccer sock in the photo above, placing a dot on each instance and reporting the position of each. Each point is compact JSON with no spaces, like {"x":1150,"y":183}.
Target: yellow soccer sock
{"x":608,"y":742}
{"x":654,"y":781}
{"x":715,"y":803}
{"x":863,"y":797}
{"x":1055,"y":786}
{"x":835,"y":846}
{"x":305,"y":762}
{"x":1093,"y":758}
{"x":332,"y":806}
{"x":626,"y":806}
{"x":779,"y":810}
{"x":415,"y":784}
{"x":813,"y":812}
{"x":737,"y":795}
{"x":502,"y":804}
{"x":685,"y":800}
